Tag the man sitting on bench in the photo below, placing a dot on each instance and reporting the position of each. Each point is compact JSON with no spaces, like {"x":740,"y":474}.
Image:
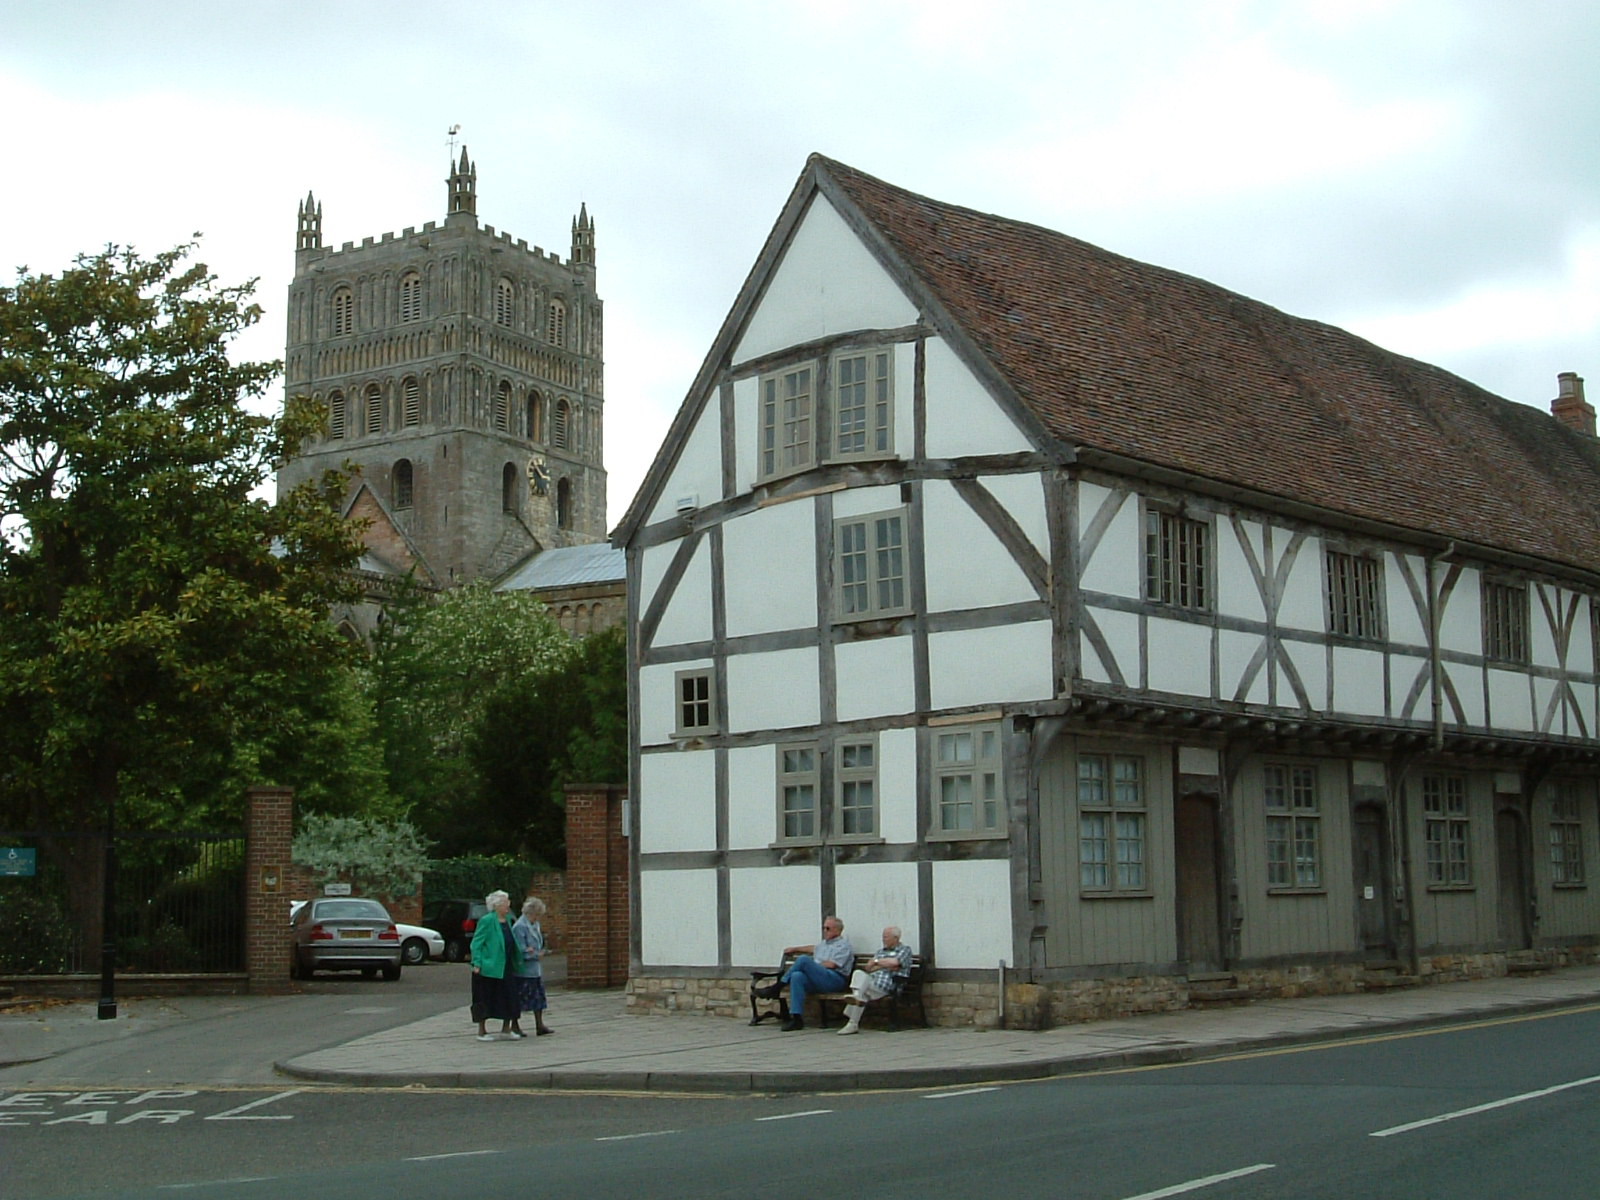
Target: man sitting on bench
{"x":885,"y":973}
{"x":823,"y":967}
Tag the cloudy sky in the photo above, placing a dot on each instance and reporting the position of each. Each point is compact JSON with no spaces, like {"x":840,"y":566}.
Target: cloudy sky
{"x":1425,"y":173}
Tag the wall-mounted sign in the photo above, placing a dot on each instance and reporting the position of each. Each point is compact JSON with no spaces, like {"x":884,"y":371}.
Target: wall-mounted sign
{"x":17,"y":860}
{"x":270,"y":877}
{"x":336,"y":889}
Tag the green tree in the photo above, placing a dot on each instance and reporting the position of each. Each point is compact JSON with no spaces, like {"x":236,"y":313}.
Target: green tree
{"x":439,"y":667}
{"x":161,"y":626}
{"x":376,"y":856}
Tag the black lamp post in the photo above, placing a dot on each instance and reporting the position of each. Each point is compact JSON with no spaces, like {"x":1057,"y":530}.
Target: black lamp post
{"x":108,"y":920}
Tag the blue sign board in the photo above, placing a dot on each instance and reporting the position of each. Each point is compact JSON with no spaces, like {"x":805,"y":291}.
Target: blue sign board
{"x":16,"y":860}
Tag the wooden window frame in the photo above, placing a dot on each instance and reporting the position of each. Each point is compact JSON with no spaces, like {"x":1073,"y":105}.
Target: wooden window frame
{"x":855,"y":789}
{"x":871,"y":570}
{"x":983,"y":770}
{"x":1354,"y":591}
{"x":787,"y":407}
{"x":694,"y":695}
{"x":1178,"y":557}
{"x":1447,"y":832}
{"x":863,"y":406}
{"x":799,"y":773}
{"x":1292,"y":825}
{"x":1565,"y":835}
{"x":1506,"y":621}
{"x":1115,"y":802}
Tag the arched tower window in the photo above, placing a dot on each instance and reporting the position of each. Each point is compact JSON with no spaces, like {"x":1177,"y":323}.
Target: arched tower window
{"x":559,"y":431}
{"x":564,"y":504}
{"x":336,"y":415}
{"x":411,"y":401}
{"x":410,"y":297}
{"x":556,"y":324}
{"x":401,"y":483}
{"x":508,"y":488}
{"x":502,"y":407}
{"x":344,"y":311}
{"x":374,"y":409}
{"x":535,"y":416}
{"x":504,"y":301}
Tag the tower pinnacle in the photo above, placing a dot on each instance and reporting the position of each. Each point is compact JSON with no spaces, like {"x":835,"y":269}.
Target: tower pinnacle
{"x":463,"y":183}
{"x":308,"y":235}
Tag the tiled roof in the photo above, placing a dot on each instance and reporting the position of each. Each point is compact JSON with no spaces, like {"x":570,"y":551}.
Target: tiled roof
{"x":1131,"y":359}
{"x":567,"y":566}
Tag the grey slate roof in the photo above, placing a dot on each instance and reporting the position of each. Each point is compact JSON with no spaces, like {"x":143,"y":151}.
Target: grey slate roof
{"x":567,"y":566}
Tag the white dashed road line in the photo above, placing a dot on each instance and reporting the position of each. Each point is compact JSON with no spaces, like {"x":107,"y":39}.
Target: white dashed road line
{"x":810,"y":1112}
{"x":628,"y":1137}
{"x":1481,"y":1108}
{"x":966,"y":1092}
{"x":1194,"y":1185}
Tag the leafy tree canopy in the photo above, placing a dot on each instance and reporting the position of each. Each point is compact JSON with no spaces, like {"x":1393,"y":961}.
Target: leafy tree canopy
{"x":376,"y":856}
{"x":159,"y":626}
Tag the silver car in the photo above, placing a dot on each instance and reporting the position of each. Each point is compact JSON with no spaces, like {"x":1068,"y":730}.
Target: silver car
{"x":343,"y":933}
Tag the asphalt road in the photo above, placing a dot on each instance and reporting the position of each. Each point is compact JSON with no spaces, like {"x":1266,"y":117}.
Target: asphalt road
{"x":1503,"y":1109}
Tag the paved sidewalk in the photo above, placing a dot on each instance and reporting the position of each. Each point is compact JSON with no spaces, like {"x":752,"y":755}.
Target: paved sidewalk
{"x":597,"y":1046}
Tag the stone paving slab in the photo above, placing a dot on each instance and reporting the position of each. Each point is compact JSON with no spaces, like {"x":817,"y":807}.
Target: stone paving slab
{"x":598,"y":1046}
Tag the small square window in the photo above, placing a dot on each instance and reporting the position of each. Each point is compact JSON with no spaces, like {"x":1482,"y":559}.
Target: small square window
{"x":1505,"y":621}
{"x":696,"y":703}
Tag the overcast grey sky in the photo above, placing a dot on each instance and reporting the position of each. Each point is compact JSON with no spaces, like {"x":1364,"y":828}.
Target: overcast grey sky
{"x":1425,"y":173}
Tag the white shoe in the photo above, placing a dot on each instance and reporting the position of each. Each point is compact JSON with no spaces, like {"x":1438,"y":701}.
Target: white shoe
{"x":850,"y":1027}
{"x":488,"y":1037}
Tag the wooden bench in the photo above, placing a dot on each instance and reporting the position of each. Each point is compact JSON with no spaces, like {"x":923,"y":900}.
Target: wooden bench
{"x":909,"y":995}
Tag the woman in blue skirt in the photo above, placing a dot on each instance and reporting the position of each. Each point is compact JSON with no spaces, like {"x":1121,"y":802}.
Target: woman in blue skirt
{"x":529,"y":972}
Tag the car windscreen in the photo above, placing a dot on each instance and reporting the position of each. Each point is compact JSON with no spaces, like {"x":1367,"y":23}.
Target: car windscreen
{"x":336,"y":910}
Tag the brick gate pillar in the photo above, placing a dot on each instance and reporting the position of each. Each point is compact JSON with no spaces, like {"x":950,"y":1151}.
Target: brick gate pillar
{"x":597,"y":887}
{"x":269,"y":831}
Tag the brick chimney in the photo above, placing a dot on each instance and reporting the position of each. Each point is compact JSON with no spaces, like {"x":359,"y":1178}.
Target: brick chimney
{"x":1570,"y":408}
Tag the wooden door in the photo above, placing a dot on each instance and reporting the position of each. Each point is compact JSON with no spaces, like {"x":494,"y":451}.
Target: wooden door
{"x":1372,"y":881}
{"x":1199,"y":885}
{"x":1511,"y":873}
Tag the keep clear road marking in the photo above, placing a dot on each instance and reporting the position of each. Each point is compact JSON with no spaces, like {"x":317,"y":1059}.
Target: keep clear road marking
{"x":1481,"y":1108}
{"x":234,"y":1114}
{"x":1194,"y":1185}
{"x":810,"y":1112}
{"x":964,"y":1092}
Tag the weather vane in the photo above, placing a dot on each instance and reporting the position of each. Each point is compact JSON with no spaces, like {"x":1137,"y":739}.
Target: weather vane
{"x":454,"y":129}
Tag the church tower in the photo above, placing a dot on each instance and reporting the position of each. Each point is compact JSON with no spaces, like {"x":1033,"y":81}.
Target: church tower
{"x":463,"y":373}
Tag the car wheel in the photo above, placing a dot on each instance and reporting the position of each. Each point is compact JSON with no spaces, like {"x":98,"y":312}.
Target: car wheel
{"x":414,"y":952}
{"x":391,"y":971}
{"x":454,"y":952}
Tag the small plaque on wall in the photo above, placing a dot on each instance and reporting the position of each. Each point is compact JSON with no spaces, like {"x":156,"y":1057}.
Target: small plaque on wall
{"x":271,"y":877}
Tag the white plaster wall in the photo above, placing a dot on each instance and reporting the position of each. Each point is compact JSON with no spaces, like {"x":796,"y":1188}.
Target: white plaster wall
{"x":770,"y":569}
{"x":775,"y":689}
{"x":752,"y":797}
{"x":1311,"y":664}
{"x":1237,"y":592}
{"x":1180,"y":657}
{"x":1007,"y":664}
{"x":1234,"y":653}
{"x":746,"y":433}
{"x":972,"y":913}
{"x":1541,"y":638}
{"x":1468,"y":683}
{"x":688,"y":614}
{"x":1580,"y":650}
{"x":856,"y":502}
{"x":1510,"y":702}
{"x":1121,"y":633}
{"x":827,"y":282}
{"x":967,"y":566}
{"x":874,"y":678}
{"x":1544,"y":691}
{"x":1301,"y":605}
{"x":872,"y":895}
{"x":677,"y":801}
{"x":1586,"y":708}
{"x":770,"y":908}
{"x":1023,"y":497}
{"x":698,"y":471}
{"x":658,"y":700}
{"x":1406,"y":625}
{"x":963,"y":418}
{"x":1462,"y":625}
{"x":1115,"y":566}
{"x":1358,"y":682}
{"x":897,"y":785}
{"x":905,"y":390}
{"x":666,"y":938}
{"x":1404,"y":670}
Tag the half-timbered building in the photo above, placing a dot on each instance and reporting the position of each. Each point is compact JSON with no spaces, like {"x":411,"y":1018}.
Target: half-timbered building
{"x":1124,"y":640}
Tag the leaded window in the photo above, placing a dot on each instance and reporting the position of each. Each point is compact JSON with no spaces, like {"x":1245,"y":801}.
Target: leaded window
{"x":1566,"y":833}
{"x":1177,"y":559}
{"x":695,"y":703}
{"x":1354,"y":595}
{"x":1505,"y":621}
{"x":1113,"y":816}
{"x":855,"y":770}
{"x":787,"y":434}
{"x":797,"y":792}
{"x":1447,"y":831}
{"x":863,"y":404}
{"x":870,"y":566}
{"x":969,"y":795}
{"x":1294,"y":825}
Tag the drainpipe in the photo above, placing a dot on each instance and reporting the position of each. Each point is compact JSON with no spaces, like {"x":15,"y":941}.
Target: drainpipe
{"x":1435,"y":667}
{"x":1002,"y":993}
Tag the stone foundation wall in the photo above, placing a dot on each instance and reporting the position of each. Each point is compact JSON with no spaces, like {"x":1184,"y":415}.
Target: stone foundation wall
{"x":976,"y":1005}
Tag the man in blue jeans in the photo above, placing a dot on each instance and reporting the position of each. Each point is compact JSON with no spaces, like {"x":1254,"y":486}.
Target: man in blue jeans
{"x":824,"y":967}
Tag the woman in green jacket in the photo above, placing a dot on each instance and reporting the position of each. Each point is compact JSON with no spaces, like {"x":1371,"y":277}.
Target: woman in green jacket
{"x":494,"y":955}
